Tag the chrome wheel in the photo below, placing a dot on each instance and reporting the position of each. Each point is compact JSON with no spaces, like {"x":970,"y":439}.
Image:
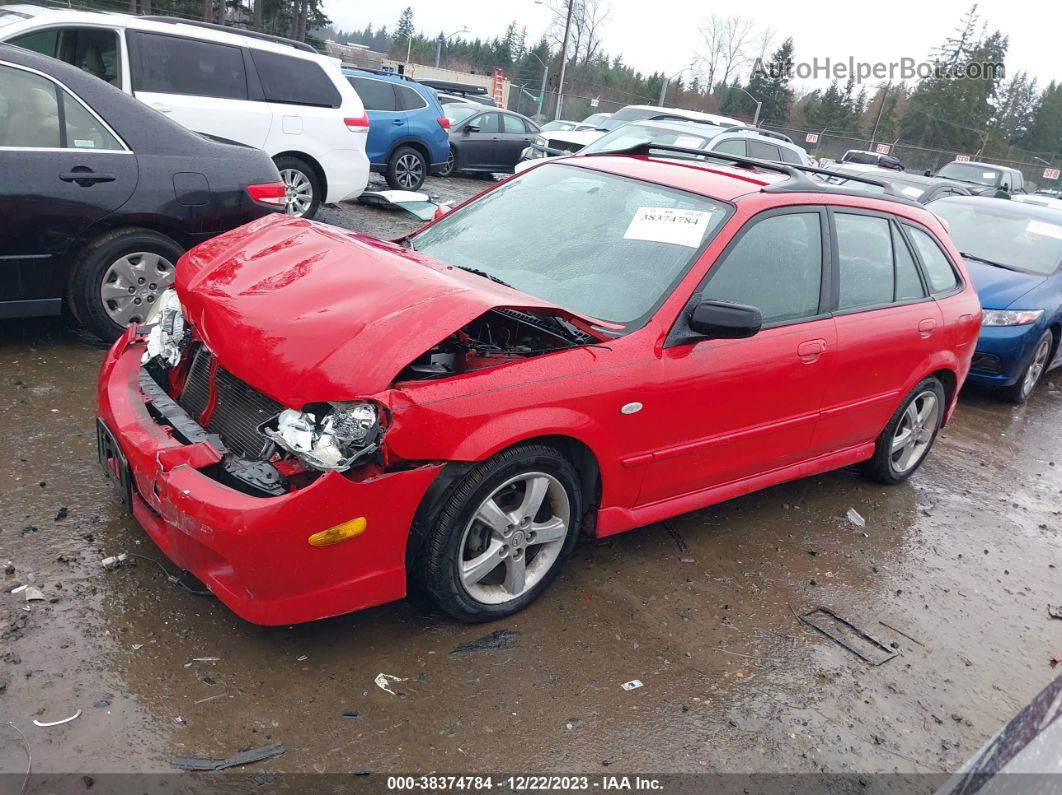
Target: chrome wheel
{"x":409,"y":171}
{"x":298,"y":192}
{"x":132,"y":284}
{"x":514,"y":538}
{"x":914,"y":433}
{"x":1036,"y":366}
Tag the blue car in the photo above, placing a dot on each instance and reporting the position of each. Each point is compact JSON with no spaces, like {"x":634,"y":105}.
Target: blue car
{"x":1013,"y":252}
{"x":408,"y":131}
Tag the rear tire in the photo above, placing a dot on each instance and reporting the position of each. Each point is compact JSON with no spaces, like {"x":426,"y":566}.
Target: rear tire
{"x":1034,"y":369}
{"x":302,"y":185}
{"x":451,"y":163}
{"x":909,"y":435}
{"x":137,"y":263}
{"x":519,"y":515}
{"x":406,"y":169}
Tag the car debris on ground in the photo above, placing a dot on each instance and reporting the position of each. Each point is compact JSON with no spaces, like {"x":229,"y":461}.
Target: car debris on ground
{"x":634,"y":684}
{"x":497,"y":640}
{"x":846,"y":634}
{"x":856,"y":518}
{"x":382,"y":681}
{"x":45,"y":724}
{"x":246,"y":757}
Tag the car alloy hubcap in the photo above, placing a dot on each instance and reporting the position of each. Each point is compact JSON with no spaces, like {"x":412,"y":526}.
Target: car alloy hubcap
{"x":1036,"y":367}
{"x":298,"y":192}
{"x":915,"y":432}
{"x":409,"y":171}
{"x":514,"y":538}
{"x":132,"y":284}
{"x":450,"y":162}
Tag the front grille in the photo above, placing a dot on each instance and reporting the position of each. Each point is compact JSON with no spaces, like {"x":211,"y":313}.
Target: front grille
{"x":987,"y":363}
{"x":565,"y":146}
{"x":239,"y":409}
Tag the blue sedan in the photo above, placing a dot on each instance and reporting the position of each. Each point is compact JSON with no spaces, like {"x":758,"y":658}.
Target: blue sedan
{"x":1013,"y":251}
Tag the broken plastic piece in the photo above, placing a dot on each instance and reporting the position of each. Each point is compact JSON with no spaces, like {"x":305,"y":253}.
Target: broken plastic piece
{"x":45,"y":724}
{"x":115,"y":561}
{"x":383,"y":680}
{"x":634,"y":684}
{"x":34,"y":595}
{"x":855,"y":518}
{"x":499,"y":639}
{"x":417,"y":204}
{"x":242,"y":758}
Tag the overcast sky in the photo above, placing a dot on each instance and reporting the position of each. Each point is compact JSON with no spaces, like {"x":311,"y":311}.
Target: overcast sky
{"x":662,"y":34}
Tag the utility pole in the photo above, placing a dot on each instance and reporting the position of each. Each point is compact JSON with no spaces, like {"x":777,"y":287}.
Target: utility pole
{"x":542,"y":92}
{"x":877,"y":119}
{"x":564,"y":60}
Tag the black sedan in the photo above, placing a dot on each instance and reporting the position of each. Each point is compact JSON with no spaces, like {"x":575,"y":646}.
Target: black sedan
{"x":101,"y":194}
{"x":485,"y":139}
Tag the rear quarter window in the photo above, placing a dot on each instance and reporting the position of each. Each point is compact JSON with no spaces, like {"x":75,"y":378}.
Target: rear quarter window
{"x":294,"y":81}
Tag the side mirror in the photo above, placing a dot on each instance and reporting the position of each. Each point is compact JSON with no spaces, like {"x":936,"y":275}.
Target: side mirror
{"x":471,"y":128}
{"x":718,"y":320}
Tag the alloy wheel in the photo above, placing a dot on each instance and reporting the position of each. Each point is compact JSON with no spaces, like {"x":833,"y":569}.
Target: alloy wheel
{"x":298,"y":192}
{"x":1036,"y":367}
{"x":914,"y":433}
{"x":514,"y":538}
{"x":409,"y":171}
{"x":132,"y":284}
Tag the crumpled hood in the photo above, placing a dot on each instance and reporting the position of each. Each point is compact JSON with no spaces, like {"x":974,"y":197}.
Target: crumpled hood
{"x":998,"y":288}
{"x":306,"y":312}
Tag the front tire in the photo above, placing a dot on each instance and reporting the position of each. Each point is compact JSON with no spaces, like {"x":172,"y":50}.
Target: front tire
{"x":1031,"y":373}
{"x":500,"y":536}
{"x":118,"y":278}
{"x":302,"y":187}
{"x":406,"y":169}
{"x":904,"y":444}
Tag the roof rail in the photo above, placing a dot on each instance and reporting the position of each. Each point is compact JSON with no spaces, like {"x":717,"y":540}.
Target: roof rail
{"x":798,"y":181}
{"x":251,"y":34}
{"x":381,"y":72}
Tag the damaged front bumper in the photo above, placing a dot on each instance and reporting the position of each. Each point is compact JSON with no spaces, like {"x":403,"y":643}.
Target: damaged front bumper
{"x":252,"y":552}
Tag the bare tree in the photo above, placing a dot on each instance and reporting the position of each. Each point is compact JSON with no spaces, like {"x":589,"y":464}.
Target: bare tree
{"x":726,"y":44}
{"x":592,"y":15}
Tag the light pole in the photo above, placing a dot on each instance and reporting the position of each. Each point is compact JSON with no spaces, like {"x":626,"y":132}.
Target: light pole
{"x":563,"y":53}
{"x":439,"y":44}
{"x":756,"y":116}
{"x":667,"y":82}
{"x":542,"y":91}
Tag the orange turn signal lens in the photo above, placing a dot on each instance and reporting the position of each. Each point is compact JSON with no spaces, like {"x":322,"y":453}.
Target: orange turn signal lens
{"x":341,"y":532}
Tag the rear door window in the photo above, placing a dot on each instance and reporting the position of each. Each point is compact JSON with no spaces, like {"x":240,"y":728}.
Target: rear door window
{"x":487,"y":123}
{"x":789,"y":156}
{"x":174,"y":65}
{"x":294,"y":81}
{"x":908,"y":283}
{"x":513,"y":124}
{"x":865,"y":261}
{"x":375,"y":94}
{"x":776,"y":266}
{"x":938,"y":268}
{"x":763,"y":151}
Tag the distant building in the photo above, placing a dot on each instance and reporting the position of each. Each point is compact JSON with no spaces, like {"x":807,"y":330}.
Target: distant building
{"x":354,"y":54}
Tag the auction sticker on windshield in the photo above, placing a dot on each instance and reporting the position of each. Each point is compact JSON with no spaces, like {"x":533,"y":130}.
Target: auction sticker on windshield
{"x":669,"y":225}
{"x":1044,"y":229}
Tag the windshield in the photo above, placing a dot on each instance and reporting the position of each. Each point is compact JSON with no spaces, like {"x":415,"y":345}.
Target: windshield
{"x":1003,"y":234}
{"x":639,"y":133}
{"x":595,"y":119}
{"x":563,"y":126}
{"x":458,"y":113}
{"x":621,"y":117}
{"x":969,"y":172}
{"x":601,"y":245}
{"x":860,"y":157}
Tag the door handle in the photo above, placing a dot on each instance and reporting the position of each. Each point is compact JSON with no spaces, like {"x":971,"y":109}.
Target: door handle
{"x":86,"y":177}
{"x":926,"y":326}
{"x":810,"y":350}
{"x":161,"y":108}
{"x":397,"y":122}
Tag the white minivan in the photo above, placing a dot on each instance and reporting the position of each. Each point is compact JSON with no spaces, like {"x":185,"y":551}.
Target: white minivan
{"x":264,"y":91}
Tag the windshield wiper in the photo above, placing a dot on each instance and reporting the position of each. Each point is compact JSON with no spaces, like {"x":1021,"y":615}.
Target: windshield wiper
{"x":975,"y":258}
{"x":485,"y":275}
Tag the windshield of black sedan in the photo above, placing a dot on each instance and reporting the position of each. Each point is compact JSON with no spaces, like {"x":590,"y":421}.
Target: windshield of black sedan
{"x":599,"y":244}
{"x":970,"y":172}
{"x":999,"y":232}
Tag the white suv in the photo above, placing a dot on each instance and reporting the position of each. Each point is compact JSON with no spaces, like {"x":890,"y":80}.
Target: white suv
{"x":263,"y":91}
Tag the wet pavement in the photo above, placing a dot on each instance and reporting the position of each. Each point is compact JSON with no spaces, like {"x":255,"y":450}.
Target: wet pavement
{"x":953,"y":570}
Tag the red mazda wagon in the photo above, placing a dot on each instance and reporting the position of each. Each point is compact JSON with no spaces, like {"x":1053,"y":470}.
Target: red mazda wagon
{"x":315,"y":419}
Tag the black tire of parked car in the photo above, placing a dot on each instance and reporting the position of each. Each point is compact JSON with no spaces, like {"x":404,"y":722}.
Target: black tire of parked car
{"x":1017,"y":393}
{"x":86,"y":279}
{"x":406,"y":169}
{"x":881,"y":467}
{"x":296,"y":168}
{"x":451,"y":164}
{"x":436,"y":571}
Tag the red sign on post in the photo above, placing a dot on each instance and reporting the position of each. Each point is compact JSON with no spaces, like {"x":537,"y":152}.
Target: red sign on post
{"x":882,"y":149}
{"x":962,"y":158}
{"x":1051,"y":173}
{"x":812,"y":138}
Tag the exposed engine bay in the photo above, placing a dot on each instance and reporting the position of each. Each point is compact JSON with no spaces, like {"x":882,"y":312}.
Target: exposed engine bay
{"x":499,"y":336}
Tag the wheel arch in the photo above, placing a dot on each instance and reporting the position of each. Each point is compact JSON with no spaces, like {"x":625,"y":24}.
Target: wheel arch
{"x":412,"y":143}
{"x":313,"y":163}
{"x":950,"y":381}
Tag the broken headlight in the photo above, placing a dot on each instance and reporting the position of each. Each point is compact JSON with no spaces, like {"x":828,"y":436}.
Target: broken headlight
{"x":168,"y":330}
{"x":341,"y":436}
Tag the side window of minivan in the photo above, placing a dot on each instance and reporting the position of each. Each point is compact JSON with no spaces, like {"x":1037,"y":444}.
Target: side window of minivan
{"x":92,"y":49}
{"x":775,"y":266}
{"x":174,"y":65}
{"x":294,"y":81}
{"x":375,"y":94}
